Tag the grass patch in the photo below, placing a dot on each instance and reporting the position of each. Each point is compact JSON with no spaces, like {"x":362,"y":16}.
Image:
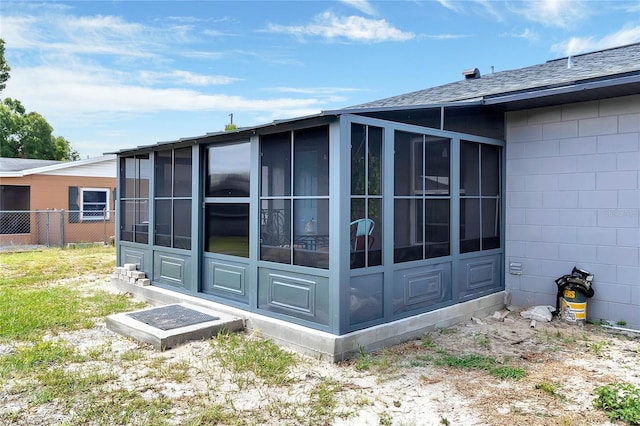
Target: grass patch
{"x":123,"y":407}
{"x":479,"y":362}
{"x":550,"y":389}
{"x":35,"y":358}
{"x":621,"y":401}
{"x":30,"y":306}
{"x":251,"y":358}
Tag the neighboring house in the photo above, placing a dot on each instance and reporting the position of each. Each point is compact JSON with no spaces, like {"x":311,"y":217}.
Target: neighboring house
{"x":84,"y":190}
{"x":365,"y":226}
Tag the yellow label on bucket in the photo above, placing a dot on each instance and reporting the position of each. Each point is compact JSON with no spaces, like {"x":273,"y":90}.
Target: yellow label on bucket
{"x":571,"y":294}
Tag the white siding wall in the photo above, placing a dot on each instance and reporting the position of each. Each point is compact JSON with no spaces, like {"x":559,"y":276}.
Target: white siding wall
{"x":573,"y":199}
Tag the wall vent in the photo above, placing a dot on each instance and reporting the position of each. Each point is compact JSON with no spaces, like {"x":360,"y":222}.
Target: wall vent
{"x":471,"y":74}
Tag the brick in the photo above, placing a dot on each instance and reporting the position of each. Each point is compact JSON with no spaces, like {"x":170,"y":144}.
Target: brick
{"x":620,"y":105}
{"x":136,"y":274}
{"x":580,"y":110}
{"x":625,"y":142}
{"x":629,"y":123}
{"x":130,"y":266}
{"x":562,"y":130}
{"x":132,"y":280}
{"x":598,"y":126}
{"x":525,"y":133}
{"x":579,"y":146}
{"x":598,"y":199}
{"x":144,"y":282}
{"x":547,"y":148}
{"x":597,"y":163}
{"x":617,"y":180}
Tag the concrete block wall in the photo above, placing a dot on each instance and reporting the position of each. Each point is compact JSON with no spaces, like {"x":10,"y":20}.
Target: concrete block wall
{"x":573,"y":199}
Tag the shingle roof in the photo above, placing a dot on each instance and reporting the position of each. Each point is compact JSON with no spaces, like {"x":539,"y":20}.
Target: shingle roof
{"x":19,"y":164}
{"x":554,"y":73}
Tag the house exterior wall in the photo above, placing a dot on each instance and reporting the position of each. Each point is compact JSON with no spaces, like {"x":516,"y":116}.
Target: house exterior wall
{"x":52,"y":192}
{"x":573,"y":198}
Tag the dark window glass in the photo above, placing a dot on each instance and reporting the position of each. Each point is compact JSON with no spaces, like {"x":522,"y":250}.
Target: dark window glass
{"x":182,"y":172}
{"x":127,"y":177}
{"x":163,"y":212}
{"x":311,"y":165}
{"x":182,"y":224}
{"x":163,"y":174}
{"x":469,"y":225}
{"x":276,"y":165}
{"x":228,"y":170}
{"x":227,"y":229}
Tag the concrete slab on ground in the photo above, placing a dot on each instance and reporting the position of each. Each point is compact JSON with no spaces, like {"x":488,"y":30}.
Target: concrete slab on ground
{"x":165,"y":327}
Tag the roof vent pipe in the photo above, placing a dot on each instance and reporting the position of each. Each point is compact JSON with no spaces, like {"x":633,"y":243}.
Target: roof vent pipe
{"x":569,"y":62}
{"x":471,"y":74}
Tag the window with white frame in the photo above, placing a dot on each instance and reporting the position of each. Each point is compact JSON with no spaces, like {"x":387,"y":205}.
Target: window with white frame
{"x":94,"y":203}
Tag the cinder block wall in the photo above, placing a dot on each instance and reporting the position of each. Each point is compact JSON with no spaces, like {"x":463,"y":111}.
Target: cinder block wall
{"x":573,"y":199}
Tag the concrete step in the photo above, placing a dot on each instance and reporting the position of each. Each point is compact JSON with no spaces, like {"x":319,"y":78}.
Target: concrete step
{"x":165,"y":327}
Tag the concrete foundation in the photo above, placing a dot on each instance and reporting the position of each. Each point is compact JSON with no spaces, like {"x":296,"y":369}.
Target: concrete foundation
{"x":324,"y":345}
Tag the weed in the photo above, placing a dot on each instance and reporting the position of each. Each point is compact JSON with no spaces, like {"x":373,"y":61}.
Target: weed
{"x":36,"y":357}
{"x":124,"y":407}
{"x":427,"y":343}
{"x":597,"y":347}
{"x":322,"y":402}
{"x":621,"y":323}
{"x":479,"y":362}
{"x":444,"y":421}
{"x":131,"y":355}
{"x":482,"y":340}
{"x":551,"y":389}
{"x":385,"y":419}
{"x":621,"y":401}
{"x":243,"y":355}
{"x":213,"y":415}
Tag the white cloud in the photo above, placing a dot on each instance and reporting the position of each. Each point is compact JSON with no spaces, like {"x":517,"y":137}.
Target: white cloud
{"x":314,"y":90}
{"x":575,"y":45}
{"x":354,"y":28}
{"x":89,"y":94}
{"x":363,"y":6}
{"x":553,"y":13}
{"x":181,"y":77}
{"x":451,"y":5}
{"x":527,"y":34}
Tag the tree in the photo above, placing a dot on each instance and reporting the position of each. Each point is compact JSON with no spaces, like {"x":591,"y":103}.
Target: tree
{"x":28,"y":135}
{"x":4,"y":67}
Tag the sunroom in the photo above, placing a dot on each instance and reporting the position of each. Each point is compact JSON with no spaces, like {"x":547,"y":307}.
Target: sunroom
{"x":346,"y":230}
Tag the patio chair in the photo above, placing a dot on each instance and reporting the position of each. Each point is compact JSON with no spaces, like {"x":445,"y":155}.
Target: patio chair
{"x":361,"y":230}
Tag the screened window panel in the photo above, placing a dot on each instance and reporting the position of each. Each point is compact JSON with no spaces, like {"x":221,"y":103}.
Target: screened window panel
{"x":405,"y":162}
{"x":311,"y":233}
{"x":182,"y":224}
{"x":469,"y":225}
{"x":127,"y":219}
{"x":437,"y":168}
{"x":490,"y":170}
{"x":163,"y":210}
{"x":182,"y":172}
{"x":358,"y":152}
{"x":437,"y":227}
{"x":275,"y":230}
{"x":276,"y":165}
{"x":375,"y":160}
{"x":311,"y":162}
{"x":128,"y":180}
{"x":163,"y":174}
{"x":490,"y":223}
{"x":469,"y":169}
{"x":142,"y":177}
{"x":407,"y":242}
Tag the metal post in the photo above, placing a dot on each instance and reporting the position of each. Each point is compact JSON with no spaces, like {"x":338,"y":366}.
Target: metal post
{"x":104,"y":226}
{"x":62,"y":229}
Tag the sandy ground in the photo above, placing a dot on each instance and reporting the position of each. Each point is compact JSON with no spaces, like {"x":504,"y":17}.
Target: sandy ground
{"x":402,"y":386}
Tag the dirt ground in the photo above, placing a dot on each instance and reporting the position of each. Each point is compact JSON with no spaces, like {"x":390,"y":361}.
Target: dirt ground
{"x":402,"y":385}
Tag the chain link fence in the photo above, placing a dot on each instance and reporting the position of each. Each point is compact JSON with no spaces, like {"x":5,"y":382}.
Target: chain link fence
{"x":56,"y":228}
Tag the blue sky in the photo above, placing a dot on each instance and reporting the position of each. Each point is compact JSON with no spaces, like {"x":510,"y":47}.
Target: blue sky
{"x":109,"y":75}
